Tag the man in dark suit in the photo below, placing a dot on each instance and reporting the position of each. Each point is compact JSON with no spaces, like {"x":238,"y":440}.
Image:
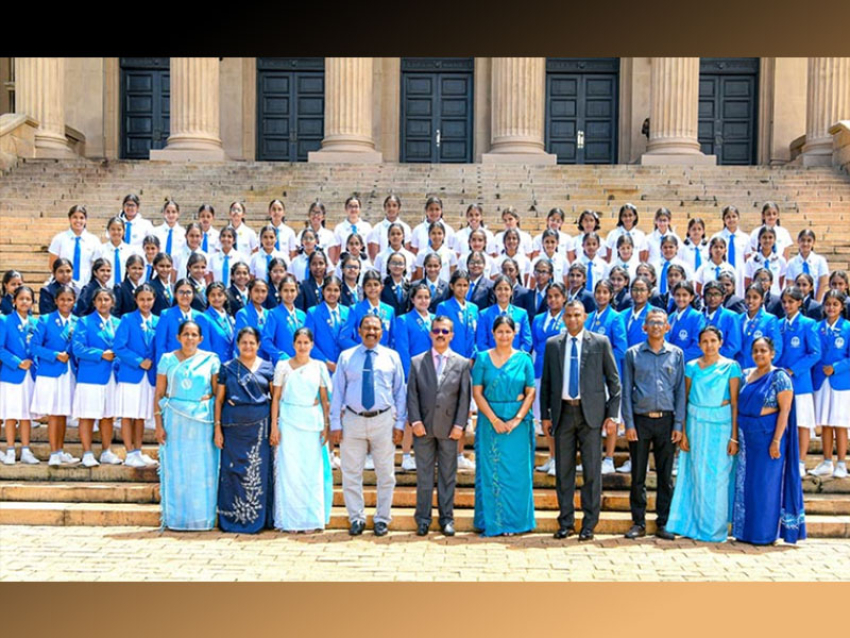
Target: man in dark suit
{"x":578,"y":368}
{"x":438,"y":391}
{"x":480,"y":285}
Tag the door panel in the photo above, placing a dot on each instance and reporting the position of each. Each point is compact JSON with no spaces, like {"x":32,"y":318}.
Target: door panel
{"x":728,"y":95}
{"x":145,"y":106}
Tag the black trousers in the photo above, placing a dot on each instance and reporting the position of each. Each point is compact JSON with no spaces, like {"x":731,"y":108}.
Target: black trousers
{"x":431,"y":451}
{"x":655,"y":433}
{"x":573,"y":433}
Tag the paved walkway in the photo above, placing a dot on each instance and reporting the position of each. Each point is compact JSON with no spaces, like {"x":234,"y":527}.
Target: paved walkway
{"x":139,"y":554}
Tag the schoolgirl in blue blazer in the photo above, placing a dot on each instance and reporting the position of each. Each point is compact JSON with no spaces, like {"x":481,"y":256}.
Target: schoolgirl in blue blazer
{"x":607,"y":321}
{"x":310,"y":290}
{"x":723,"y":319}
{"x":464,"y":315}
{"x":484,"y":336}
{"x":327,"y":321}
{"x":757,"y":323}
{"x":171,"y":320}
{"x":372,"y":304}
{"x":101,"y":277}
{"x":161,"y":284}
{"x":12,"y":279}
{"x":125,"y":298}
{"x":548,"y":324}
{"x":254,"y":314}
{"x":412,"y":330}
{"x":217,"y":326}
{"x":63,"y":273}
{"x":282,"y":322}
{"x":685,"y":322}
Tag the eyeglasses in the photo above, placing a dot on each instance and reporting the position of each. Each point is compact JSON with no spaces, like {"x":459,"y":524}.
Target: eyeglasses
{"x":655,"y":324}
{"x":440,"y":331}
{"x":352,"y":267}
{"x":185,"y":293}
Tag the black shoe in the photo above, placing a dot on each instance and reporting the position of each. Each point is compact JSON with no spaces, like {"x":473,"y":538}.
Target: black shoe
{"x":586,"y":535}
{"x":421,"y":529}
{"x":564,"y":532}
{"x":381,"y":529}
{"x":448,"y":529}
{"x":636,"y":531}
{"x":356,"y":528}
{"x":662,"y":533}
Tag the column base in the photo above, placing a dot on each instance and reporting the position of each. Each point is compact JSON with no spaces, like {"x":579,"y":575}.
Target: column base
{"x":535,"y":159}
{"x":678,"y":159}
{"x":816,"y":159}
{"x":184,"y":155}
{"x":345,"y":157}
{"x":50,"y":147}
{"x":817,"y":152}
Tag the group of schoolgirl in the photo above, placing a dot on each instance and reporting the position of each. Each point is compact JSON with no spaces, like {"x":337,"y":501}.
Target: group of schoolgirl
{"x":155,"y":278}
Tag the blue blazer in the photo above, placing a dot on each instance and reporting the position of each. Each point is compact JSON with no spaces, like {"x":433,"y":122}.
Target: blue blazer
{"x":622,"y":300}
{"x":132,"y":345}
{"x":47,"y":298}
{"x":279,"y":331}
{"x":412,"y":336}
{"x":125,"y":300}
{"x":483,"y":295}
{"x":585,"y":297}
{"x":84,"y":305}
{"x":801,"y":350}
{"x":441,"y":293}
{"x":326,"y":337}
{"x":729,"y":323}
{"x":218,"y":334}
{"x":15,"y":335}
{"x":812,"y":309}
{"x":685,"y":333}
{"x":235,"y":303}
{"x":465,"y":324}
{"x":309,"y":295}
{"x":635,"y":333}
{"x":773,"y":305}
{"x":835,"y":351}
{"x":527,"y":299}
{"x":166,"y":330}
{"x":735,"y":304}
{"x":199,"y":299}
{"x":484,"y":335}
{"x":539,"y":336}
{"x":245,"y":317}
{"x":92,"y":337}
{"x":389,"y":297}
{"x":49,"y":339}
{"x":273,"y":299}
{"x":610,"y":324}
{"x":346,"y":297}
{"x":350,"y":332}
{"x":161,"y":301}
{"x":763,"y":324}
{"x":6,"y":307}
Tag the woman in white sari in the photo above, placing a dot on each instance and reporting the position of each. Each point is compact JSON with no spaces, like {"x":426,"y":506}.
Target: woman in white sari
{"x":303,"y":490}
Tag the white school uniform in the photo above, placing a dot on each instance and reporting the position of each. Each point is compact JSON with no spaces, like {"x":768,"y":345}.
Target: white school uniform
{"x":523,"y":262}
{"x":565,"y":243}
{"x":326,"y":238}
{"x":260,"y":260}
{"x":578,"y":246}
{"x":448,"y":258}
{"x":526,"y":244}
{"x":687,"y":253}
{"x":134,"y":400}
{"x":16,"y":398}
{"x":597,"y":266}
{"x":139,"y":229}
{"x":246,"y":240}
{"x":181,"y":260}
{"x":94,"y":401}
{"x":659,"y":265}
{"x":817,"y":268}
{"x":63,"y":245}
{"x":53,"y":396}
{"x":216,"y":263}
{"x":419,"y":236}
{"x":559,"y":265}
{"x":461,"y":241}
{"x":832,"y":407}
{"x":742,"y":248}
{"x":637,"y":235}
{"x":178,"y":237}
{"x":383,"y":257}
{"x":775,"y":263}
{"x":300,"y":269}
{"x":213,"y":243}
{"x":285,"y":238}
{"x":709,"y":272}
{"x":125,"y":251}
{"x":346,"y":229}
{"x":379,"y":234}
{"x":630,"y":266}
{"x":653,"y":245}
{"x":783,"y":239}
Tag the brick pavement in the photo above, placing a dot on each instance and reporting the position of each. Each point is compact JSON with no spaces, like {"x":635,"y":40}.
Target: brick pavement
{"x":138,"y":554}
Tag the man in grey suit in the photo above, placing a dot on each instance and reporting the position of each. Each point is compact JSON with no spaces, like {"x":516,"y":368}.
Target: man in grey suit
{"x":578,"y":368}
{"x":438,"y":388}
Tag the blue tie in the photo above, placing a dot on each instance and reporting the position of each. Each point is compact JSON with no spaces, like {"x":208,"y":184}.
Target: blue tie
{"x":471,"y":291}
{"x":398,"y":292}
{"x":117,"y":267}
{"x":432,"y":289}
{"x":277,"y":240}
{"x":717,"y":272}
{"x":205,"y":245}
{"x":732,"y":249}
{"x":806,"y":267}
{"x":128,"y":232}
{"x":697,"y":258}
{"x":573,"y":389}
{"x":367,"y":390}
{"x":169,"y":240}
{"x":268,"y":264}
{"x":149,"y":273}
{"x":590,"y":276}
{"x":663,"y":282}
{"x":225,"y":271}
{"x":77,"y":258}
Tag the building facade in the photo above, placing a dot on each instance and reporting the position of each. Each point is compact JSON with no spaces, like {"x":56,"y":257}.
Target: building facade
{"x":728,"y":111}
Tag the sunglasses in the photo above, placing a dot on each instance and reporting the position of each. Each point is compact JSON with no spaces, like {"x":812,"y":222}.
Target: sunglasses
{"x":440,"y":331}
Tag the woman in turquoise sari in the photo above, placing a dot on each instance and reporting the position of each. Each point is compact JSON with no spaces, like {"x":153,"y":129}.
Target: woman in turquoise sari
{"x":768,"y":493}
{"x":702,"y":502}
{"x":186,"y":383}
{"x":503,"y":389}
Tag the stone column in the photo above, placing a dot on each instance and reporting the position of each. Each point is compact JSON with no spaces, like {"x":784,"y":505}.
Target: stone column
{"x":673,"y":113}
{"x":40,"y":93}
{"x":348,"y":113}
{"x":828,"y":102}
{"x":195,"y":112}
{"x":519,"y":102}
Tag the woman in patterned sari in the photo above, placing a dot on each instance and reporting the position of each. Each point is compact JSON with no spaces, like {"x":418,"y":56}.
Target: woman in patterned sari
{"x":242,"y":435}
{"x":768,"y":493}
{"x":503,"y":388}
{"x":185,"y":385}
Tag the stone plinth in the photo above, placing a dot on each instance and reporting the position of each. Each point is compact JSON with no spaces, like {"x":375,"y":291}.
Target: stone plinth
{"x":828,"y":102}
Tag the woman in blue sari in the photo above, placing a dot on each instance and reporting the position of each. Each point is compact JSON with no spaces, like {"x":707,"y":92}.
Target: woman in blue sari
{"x":187,"y":380}
{"x":503,"y":388}
{"x":242,"y":435}
{"x":702,"y":502}
{"x":768,"y":493}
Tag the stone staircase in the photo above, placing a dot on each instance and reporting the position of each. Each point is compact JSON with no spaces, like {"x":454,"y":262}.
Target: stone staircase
{"x":36,"y":195}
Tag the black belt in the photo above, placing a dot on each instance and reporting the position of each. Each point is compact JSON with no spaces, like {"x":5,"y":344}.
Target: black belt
{"x":573,"y":402}
{"x":369,"y":414}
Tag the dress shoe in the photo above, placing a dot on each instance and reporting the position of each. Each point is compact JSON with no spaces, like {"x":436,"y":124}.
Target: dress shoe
{"x":636,"y":531}
{"x":586,"y":535}
{"x":422,"y":529}
{"x":448,"y":529}
{"x":356,"y":528}
{"x":564,"y":532}
{"x":381,"y":529}
{"x":662,"y":533}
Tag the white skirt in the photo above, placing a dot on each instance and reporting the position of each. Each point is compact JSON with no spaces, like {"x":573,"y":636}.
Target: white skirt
{"x":93,"y":401}
{"x":53,"y":396}
{"x":832,"y":407}
{"x":135,"y":400}
{"x":806,"y":411}
{"x":15,"y":399}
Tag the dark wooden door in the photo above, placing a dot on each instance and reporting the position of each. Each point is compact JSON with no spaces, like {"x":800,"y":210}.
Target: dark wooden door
{"x":728,"y":94}
{"x":437,"y":110}
{"x":290,"y":108}
{"x":145,"y":106}
{"x":581,"y":109}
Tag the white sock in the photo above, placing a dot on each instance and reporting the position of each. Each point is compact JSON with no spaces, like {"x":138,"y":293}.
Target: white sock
{"x":406,"y":455}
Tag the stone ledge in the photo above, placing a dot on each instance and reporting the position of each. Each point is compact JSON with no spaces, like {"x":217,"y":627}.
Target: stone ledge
{"x":840,"y":132}
{"x":17,"y":138}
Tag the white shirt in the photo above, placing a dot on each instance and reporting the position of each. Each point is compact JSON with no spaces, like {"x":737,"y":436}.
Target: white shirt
{"x":326,"y":238}
{"x":565,"y":243}
{"x":565,"y":391}
{"x":597,"y":266}
{"x":742,"y":247}
{"x":139,"y":229}
{"x":559,"y":265}
{"x":637,"y":235}
{"x":181,"y":260}
{"x":259,"y":262}
{"x":526,"y":244}
{"x":378,"y":234}
{"x":653,"y":244}
{"x":817,"y":268}
{"x":708,"y":271}
{"x":783,"y":239}
{"x":522,"y":261}
{"x":688,"y":255}
{"x":285,"y":238}
{"x":419,"y":237}
{"x":383,"y":257}
{"x":213,"y":244}
{"x":246,"y":240}
{"x":659,"y":266}
{"x":447,"y":257}
{"x":215,"y":265}
{"x":178,"y":237}
{"x":461,"y":243}
{"x":63,"y":245}
{"x":630,"y":266}
{"x":578,"y":246}
{"x":774,"y":263}
{"x":107,"y":252}
{"x":344,"y":230}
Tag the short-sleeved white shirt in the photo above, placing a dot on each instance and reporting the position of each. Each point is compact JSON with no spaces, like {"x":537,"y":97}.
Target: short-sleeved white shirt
{"x":63,"y":246}
{"x":378,"y":234}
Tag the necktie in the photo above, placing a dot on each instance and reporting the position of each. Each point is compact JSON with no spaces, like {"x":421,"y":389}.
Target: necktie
{"x":433,"y":290}
{"x":663,"y":278}
{"x":169,"y":240}
{"x":277,"y":240}
{"x":375,"y":311}
{"x":471,"y":291}
{"x":268,"y":263}
{"x":697,"y":258}
{"x":353,"y":229}
{"x":589,"y":276}
{"x":117,"y":267}
{"x":441,"y":366}
{"x":732,"y":249}
{"x":128,"y":232}
{"x":334,"y":318}
{"x":632,"y":319}
{"x":806,"y":267}
{"x":205,"y":245}
{"x":717,"y":272}
{"x":149,"y":272}
{"x":367,"y":390}
{"x":573,"y":389}
{"x":540,"y":298}
{"x":225,"y":271}
{"x":398,"y":292}
{"x":167,"y":290}
{"x":77,"y":258}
